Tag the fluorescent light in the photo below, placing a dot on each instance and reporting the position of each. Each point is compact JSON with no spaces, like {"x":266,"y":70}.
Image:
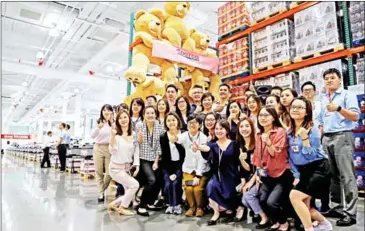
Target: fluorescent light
{"x":39,"y":55}
{"x":54,"y":33}
{"x":51,"y":19}
{"x":109,"y":69}
{"x":24,"y":84}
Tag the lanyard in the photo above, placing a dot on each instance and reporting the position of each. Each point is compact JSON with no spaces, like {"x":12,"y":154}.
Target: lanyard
{"x":220,"y":153}
{"x":191,"y":137}
{"x":148,"y":135}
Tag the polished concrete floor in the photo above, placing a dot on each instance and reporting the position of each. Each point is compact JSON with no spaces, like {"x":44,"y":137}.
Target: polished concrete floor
{"x":44,"y":199}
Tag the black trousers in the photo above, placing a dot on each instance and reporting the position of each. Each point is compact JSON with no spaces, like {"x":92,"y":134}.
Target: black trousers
{"x":274,"y":196}
{"x":45,"y":158}
{"x":152,"y":187}
{"x":62,"y":151}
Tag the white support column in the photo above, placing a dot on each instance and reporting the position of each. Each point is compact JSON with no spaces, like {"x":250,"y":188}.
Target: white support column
{"x":78,"y":106}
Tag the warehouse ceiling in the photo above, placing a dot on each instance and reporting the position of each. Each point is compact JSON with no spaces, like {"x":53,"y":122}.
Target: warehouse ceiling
{"x":55,"y":51}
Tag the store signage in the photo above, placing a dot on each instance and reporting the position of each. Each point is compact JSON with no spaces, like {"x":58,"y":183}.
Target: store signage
{"x":179,"y":55}
{"x":15,"y":137}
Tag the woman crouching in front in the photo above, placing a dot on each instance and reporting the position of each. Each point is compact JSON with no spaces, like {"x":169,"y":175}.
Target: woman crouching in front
{"x":125,"y":152}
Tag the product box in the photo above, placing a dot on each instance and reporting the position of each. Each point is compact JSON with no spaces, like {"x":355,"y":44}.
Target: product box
{"x":360,"y":175}
{"x":316,"y":29}
{"x":231,"y":16}
{"x":357,"y":22}
{"x":359,"y":159}
{"x":263,"y":10}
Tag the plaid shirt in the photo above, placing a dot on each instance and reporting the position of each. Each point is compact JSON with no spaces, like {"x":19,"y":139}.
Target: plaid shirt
{"x":151,"y":144}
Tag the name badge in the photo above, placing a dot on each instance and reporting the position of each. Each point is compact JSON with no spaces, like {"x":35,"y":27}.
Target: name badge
{"x":295,"y":148}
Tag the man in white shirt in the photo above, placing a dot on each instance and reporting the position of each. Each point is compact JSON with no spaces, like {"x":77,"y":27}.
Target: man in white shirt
{"x":224,"y":95}
{"x":47,"y":142}
{"x":309,"y":91}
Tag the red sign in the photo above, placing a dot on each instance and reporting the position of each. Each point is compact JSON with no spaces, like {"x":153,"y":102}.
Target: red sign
{"x":15,"y":137}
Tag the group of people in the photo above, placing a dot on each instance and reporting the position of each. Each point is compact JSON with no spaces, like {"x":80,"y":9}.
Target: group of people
{"x":274,"y":156}
{"x":62,"y":145}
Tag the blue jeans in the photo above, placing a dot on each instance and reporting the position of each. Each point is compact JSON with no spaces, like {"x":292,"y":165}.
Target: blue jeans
{"x":173,"y":189}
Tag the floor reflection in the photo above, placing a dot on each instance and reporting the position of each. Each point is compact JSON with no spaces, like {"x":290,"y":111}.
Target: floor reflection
{"x":44,"y":199}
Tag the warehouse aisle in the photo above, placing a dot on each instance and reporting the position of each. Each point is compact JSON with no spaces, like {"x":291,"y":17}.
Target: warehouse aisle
{"x":43,"y":200}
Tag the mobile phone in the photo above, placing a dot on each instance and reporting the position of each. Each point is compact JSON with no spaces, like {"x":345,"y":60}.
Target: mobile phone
{"x":189,"y":183}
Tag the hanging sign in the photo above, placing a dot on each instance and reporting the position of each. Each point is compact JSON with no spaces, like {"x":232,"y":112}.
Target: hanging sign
{"x":15,"y":137}
{"x":179,"y":55}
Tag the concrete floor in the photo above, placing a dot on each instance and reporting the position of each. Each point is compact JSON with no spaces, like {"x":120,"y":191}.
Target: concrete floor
{"x":44,"y":199}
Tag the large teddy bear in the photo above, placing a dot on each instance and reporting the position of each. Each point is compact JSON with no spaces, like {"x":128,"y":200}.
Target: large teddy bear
{"x":148,"y":26}
{"x":201,"y":42}
{"x":175,"y":29}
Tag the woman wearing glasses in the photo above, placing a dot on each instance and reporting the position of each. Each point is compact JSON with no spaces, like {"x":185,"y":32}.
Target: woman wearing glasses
{"x":274,"y":178}
{"x":183,"y":111}
{"x":308,"y":163}
{"x":210,"y":121}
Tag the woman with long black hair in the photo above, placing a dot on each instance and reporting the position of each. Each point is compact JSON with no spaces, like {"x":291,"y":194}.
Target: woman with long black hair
{"x":274,"y":178}
{"x":163,"y":108}
{"x":233,"y":114}
{"x":136,"y":111}
{"x":286,"y":98}
{"x":101,"y":155}
{"x":183,"y":109}
{"x":210,"y":120}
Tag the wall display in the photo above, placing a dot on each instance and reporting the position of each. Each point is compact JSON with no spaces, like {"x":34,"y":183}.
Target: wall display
{"x":357,"y":22}
{"x":262,"y":10}
{"x":233,"y":58}
{"x":315,"y":74}
{"x":316,"y":29}
{"x":273,"y":44}
{"x":360,"y":70}
{"x":232,"y":16}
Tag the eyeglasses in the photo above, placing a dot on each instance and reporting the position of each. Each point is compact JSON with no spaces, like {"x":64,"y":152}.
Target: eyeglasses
{"x":181,"y":102}
{"x":264,"y":115}
{"x":308,"y":90}
{"x":210,"y":120}
{"x":298,"y":108}
{"x":192,"y":123}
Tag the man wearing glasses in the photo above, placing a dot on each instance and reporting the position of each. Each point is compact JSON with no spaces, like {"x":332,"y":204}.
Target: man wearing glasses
{"x":339,"y":111}
{"x":197,"y":93}
{"x":309,"y":92}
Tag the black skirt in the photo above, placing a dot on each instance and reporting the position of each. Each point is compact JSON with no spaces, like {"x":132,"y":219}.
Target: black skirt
{"x":314,"y":177}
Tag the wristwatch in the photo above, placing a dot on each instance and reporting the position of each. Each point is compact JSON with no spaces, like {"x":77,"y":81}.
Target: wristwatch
{"x":339,"y":108}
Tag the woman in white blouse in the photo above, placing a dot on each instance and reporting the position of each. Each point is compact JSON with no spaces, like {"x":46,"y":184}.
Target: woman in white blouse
{"x":124,"y":164}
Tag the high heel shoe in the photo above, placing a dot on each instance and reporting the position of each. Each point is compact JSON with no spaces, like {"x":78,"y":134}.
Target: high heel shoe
{"x":239,"y":219}
{"x":212,"y":222}
{"x":113,"y":207}
{"x":125,"y":212}
{"x":263,"y":226}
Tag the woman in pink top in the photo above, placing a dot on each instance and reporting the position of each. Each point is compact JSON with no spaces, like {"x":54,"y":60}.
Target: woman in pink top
{"x":101,"y":135}
{"x":124,"y":164}
{"x":274,"y":178}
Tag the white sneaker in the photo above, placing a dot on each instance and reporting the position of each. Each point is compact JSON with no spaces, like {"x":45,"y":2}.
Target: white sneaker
{"x":178,"y":210}
{"x":325,"y":226}
{"x":169,"y":210}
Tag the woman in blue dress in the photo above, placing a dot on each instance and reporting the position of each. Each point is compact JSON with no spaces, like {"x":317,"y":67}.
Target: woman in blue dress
{"x":223,"y":157}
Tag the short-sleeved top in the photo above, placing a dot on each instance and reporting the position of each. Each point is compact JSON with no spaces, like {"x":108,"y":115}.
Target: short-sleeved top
{"x":333,"y":121}
{"x":277,"y":164}
{"x":63,"y":136}
{"x":193,"y":160}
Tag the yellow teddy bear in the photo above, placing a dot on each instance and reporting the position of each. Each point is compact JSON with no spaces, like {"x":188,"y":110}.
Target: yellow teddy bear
{"x":201,"y":42}
{"x":148,"y":26}
{"x":175,"y":29}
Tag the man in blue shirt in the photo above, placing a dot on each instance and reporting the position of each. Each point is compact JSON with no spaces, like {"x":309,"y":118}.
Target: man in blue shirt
{"x":62,"y":147}
{"x":339,"y":111}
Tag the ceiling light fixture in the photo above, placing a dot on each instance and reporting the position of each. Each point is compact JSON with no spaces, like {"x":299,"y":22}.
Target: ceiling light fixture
{"x":39,"y":55}
{"x":54,"y":32}
{"x":77,"y":90}
{"x":24,"y":84}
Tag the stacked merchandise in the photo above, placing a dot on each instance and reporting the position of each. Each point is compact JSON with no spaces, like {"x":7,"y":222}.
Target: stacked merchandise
{"x":87,"y":166}
{"x":232,"y":16}
{"x":359,"y":155}
{"x":233,"y":58}
{"x":315,"y":74}
{"x":357,"y":15}
{"x":273,"y":45}
{"x":73,"y":164}
{"x":285,"y":80}
{"x":360,"y":70}
{"x":316,"y":30}
{"x":238,"y":92}
{"x":262,"y":10}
